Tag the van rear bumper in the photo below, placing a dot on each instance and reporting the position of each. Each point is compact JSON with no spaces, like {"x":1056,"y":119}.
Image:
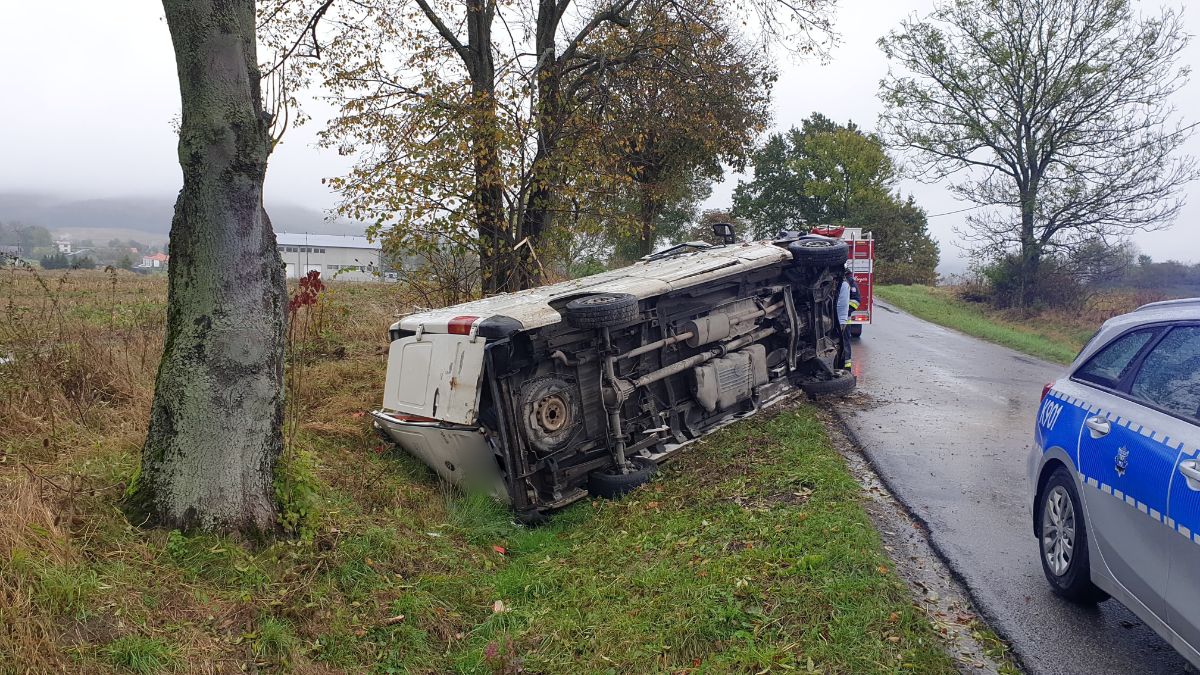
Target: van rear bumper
{"x":458,"y":453}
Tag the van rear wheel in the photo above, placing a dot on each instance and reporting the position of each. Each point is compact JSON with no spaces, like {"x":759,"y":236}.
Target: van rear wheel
{"x":602,"y":309}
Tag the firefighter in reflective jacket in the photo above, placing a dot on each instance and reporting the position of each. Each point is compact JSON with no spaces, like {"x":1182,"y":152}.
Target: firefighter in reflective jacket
{"x":848,"y":301}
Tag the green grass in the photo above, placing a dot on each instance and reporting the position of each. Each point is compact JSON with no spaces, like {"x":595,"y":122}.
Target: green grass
{"x":750,"y":552}
{"x":60,"y":589}
{"x":275,"y":639}
{"x":1044,"y":339}
{"x":141,"y":654}
{"x":753,"y":552}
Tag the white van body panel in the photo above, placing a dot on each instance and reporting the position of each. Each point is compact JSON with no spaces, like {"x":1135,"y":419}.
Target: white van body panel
{"x":643,"y":279}
{"x":435,"y":376}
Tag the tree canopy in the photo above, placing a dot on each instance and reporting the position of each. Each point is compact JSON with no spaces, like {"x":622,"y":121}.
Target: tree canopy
{"x":469,"y":117}
{"x":825,"y":173}
{"x":1054,"y":116}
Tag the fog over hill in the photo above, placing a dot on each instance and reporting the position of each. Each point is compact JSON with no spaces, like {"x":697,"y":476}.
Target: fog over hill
{"x":87,"y":218}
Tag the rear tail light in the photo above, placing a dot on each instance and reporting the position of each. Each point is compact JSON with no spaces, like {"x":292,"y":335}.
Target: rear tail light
{"x":461,"y":325}
{"x":1046,"y":389}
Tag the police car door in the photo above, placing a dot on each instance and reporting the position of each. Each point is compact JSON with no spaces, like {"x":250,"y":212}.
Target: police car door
{"x":1168,"y":383}
{"x":1124,"y":474}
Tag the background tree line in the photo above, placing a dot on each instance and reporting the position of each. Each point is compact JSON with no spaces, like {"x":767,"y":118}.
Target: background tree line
{"x":825,"y":173}
{"x":512,"y":131}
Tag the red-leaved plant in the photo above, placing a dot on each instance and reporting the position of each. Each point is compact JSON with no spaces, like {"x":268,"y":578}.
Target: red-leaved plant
{"x":294,"y":489}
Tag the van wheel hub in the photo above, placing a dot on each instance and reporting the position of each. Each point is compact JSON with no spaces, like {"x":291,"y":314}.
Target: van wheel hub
{"x":552,"y":413}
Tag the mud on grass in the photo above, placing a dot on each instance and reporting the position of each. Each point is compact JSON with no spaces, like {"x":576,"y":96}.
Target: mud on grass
{"x":751,"y":551}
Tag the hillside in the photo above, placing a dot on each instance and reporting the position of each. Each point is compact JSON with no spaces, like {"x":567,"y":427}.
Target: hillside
{"x":131,"y":217}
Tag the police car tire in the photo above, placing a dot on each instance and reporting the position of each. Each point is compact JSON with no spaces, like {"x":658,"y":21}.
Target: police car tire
{"x":838,"y":385}
{"x":609,"y":484}
{"x":818,"y":251}
{"x":602,"y":309}
{"x":1076,"y":583}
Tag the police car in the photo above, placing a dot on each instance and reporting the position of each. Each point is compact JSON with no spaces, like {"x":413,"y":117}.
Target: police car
{"x":1115,"y":471}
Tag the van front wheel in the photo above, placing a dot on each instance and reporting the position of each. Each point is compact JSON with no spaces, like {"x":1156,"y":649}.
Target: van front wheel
{"x":611,"y":483}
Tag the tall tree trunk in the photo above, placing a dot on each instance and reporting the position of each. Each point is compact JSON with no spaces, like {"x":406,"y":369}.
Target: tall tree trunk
{"x":648,"y":215}
{"x":548,"y":118}
{"x":215,"y":425}
{"x":1031,"y":253}
{"x":495,"y":241}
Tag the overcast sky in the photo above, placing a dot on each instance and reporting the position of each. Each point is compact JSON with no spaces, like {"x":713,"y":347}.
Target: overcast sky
{"x":89,"y":93}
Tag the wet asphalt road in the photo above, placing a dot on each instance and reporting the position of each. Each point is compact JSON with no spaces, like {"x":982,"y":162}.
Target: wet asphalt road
{"x":947,"y":422}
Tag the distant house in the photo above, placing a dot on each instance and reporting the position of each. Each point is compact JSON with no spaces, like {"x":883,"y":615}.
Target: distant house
{"x":351,"y":258}
{"x":64,"y":246}
{"x":155,"y":261}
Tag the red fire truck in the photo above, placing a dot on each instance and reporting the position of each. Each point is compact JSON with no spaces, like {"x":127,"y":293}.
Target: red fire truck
{"x":862,"y":265}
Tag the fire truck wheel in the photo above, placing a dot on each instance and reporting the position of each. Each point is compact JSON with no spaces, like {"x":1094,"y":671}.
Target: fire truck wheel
{"x":856,"y":330}
{"x":817,"y":251}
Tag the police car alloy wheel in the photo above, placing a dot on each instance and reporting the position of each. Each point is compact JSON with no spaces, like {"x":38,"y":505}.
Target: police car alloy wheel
{"x":1063,"y":540}
{"x":1058,"y":530}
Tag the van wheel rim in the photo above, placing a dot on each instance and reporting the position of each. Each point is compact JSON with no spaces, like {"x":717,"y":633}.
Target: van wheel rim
{"x":1058,"y":530}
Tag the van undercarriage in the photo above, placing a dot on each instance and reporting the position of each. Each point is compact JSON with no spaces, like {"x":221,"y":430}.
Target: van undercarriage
{"x":592,"y":403}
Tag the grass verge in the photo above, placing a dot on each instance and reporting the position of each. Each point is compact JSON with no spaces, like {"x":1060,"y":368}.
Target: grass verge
{"x":751,"y":552}
{"x":1054,"y":338}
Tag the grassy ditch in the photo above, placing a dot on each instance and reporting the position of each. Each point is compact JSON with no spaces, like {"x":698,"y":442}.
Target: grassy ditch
{"x":750,"y":552}
{"x":1055,"y":336}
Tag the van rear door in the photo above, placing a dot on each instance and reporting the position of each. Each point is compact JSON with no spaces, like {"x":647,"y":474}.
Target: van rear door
{"x":435,"y":376}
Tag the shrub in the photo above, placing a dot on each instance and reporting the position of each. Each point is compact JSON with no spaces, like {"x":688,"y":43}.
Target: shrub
{"x":1055,"y":285}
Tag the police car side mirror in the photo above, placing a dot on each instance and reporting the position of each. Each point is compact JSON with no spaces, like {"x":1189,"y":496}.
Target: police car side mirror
{"x":724,"y":232}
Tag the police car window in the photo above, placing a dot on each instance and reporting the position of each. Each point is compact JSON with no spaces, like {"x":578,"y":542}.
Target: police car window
{"x":1169,"y":377}
{"x":1111,"y":363}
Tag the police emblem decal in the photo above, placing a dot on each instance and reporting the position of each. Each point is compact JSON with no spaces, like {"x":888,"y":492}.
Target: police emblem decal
{"x":1121,"y":461}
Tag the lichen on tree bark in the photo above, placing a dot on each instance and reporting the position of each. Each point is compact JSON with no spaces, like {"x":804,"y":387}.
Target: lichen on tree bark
{"x":215,"y":425}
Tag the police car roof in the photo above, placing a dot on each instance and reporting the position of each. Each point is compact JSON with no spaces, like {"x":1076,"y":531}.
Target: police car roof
{"x":1184,"y":309}
{"x":1180,"y":303}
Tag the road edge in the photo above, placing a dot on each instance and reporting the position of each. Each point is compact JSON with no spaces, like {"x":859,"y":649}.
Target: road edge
{"x":866,"y":469}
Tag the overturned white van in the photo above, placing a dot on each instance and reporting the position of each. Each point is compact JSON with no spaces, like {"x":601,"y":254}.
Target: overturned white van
{"x":546,"y":395}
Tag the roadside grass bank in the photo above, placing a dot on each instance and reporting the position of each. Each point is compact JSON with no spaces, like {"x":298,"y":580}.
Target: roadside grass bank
{"x":751,"y":551}
{"x":1053,"y":335}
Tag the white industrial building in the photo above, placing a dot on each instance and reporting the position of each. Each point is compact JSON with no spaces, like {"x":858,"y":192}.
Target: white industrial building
{"x":334,"y":256}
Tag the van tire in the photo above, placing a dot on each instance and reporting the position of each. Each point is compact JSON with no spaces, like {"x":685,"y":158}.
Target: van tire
{"x":601,"y":310}
{"x":843,"y":384}
{"x":817,"y":251}
{"x":610,"y":485}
